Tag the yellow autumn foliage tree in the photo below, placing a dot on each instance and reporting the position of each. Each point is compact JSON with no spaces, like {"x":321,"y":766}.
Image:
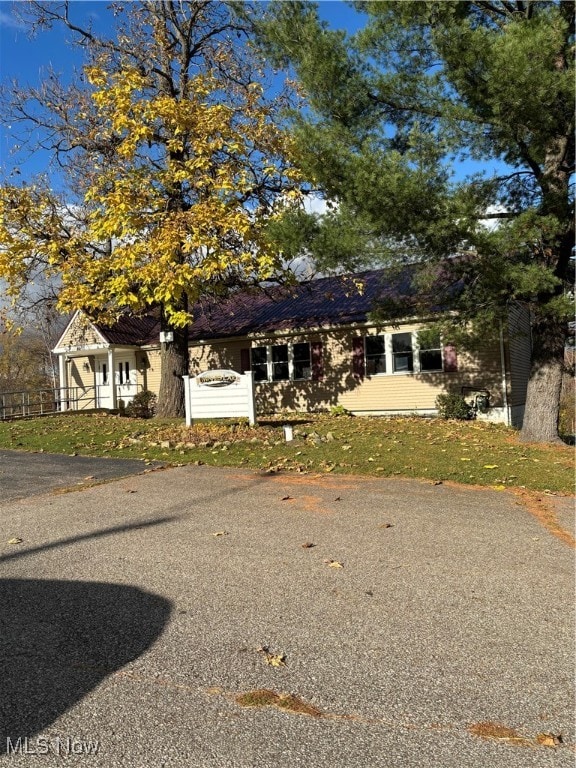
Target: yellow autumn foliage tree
{"x":175,"y":204}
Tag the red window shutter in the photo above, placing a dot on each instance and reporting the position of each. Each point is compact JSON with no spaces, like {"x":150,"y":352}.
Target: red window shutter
{"x":317,"y":360}
{"x":245,"y":360}
{"x":358,"y":368}
{"x":450,"y":359}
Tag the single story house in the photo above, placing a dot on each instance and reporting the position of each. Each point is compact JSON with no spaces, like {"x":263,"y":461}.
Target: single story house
{"x":311,"y":347}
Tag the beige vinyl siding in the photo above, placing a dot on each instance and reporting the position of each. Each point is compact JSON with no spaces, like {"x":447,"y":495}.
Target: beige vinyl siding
{"x":281,"y":395}
{"x":418,"y":391}
{"x":82,"y":382}
{"x":307,"y":395}
{"x":201,"y":358}
{"x":149,"y":374}
{"x":381,"y":393}
{"x":410,"y":392}
{"x":80,"y":334}
{"x":224,"y":354}
{"x":519,"y":355}
{"x":77,"y":376}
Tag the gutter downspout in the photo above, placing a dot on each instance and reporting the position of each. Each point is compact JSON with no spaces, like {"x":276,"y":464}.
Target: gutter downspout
{"x":504,"y":378}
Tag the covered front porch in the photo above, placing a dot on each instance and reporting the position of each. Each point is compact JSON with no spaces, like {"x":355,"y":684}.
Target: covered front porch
{"x":107,"y":378}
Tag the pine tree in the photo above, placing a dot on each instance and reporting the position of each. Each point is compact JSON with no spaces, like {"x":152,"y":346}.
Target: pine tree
{"x":392,"y":107}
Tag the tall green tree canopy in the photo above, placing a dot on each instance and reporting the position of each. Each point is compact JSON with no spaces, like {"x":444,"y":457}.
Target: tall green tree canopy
{"x":393,"y":107}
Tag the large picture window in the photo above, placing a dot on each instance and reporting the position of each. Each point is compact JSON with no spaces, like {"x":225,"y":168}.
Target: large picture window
{"x":282,"y":362}
{"x":397,"y":353}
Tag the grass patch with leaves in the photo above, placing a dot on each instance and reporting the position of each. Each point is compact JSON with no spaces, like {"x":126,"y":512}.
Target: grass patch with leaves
{"x":474,"y":453}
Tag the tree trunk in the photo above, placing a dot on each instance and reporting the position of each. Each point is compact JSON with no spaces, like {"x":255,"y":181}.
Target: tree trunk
{"x":173,"y":366}
{"x":540,"y":424}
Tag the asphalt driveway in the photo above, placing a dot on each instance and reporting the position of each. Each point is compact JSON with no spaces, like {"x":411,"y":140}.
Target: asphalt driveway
{"x":427,"y":626}
{"x":28,"y":474}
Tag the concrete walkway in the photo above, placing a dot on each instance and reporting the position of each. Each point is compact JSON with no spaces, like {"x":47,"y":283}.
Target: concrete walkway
{"x":136,"y":613}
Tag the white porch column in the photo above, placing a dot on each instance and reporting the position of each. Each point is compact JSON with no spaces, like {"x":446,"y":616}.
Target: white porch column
{"x":111,"y":378}
{"x":63,"y":381}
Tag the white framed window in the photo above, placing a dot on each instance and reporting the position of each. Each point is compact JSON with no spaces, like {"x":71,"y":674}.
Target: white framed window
{"x":375,"y":351}
{"x":430,"y":350}
{"x":301,"y":361}
{"x":402,"y":353}
{"x":260,"y":363}
{"x":280,"y":365}
{"x":282,"y":362}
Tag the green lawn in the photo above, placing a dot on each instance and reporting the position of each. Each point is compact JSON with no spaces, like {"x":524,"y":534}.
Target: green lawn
{"x":464,"y":452}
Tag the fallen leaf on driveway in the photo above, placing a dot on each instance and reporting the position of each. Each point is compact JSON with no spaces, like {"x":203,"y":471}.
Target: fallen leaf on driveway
{"x":386,"y":525}
{"x":220,"y":533}
{"x":273,"y":659}
{"x":490,"y":466}
{"x":338,"y":498}
{"x":549,"y":739}
{"x":497,"y":732}
{"x":15,"y":540}
{"x":287,"y":498}
{"x":308,"y":545}
{"x":334,"y":564}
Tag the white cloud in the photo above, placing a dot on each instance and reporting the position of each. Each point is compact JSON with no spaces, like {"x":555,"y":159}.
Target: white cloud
{"x":7,"y":20}
{"x":315,"y":204}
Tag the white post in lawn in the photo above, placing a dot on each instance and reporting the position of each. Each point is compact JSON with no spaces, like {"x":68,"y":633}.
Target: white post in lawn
{"x":187,"y":400}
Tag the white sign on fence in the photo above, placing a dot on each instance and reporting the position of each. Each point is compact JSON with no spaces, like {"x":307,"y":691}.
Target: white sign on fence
{"x":219,"y":395}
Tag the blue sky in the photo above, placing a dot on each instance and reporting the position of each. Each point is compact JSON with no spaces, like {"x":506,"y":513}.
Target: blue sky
{"x":28,"y":59}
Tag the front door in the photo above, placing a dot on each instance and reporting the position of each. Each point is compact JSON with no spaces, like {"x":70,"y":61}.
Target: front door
{"x":125,"y":378}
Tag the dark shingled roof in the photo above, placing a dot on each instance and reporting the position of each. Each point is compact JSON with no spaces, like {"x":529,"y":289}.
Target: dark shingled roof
{"x":132,"y":330}
{"x":328,"y":301}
